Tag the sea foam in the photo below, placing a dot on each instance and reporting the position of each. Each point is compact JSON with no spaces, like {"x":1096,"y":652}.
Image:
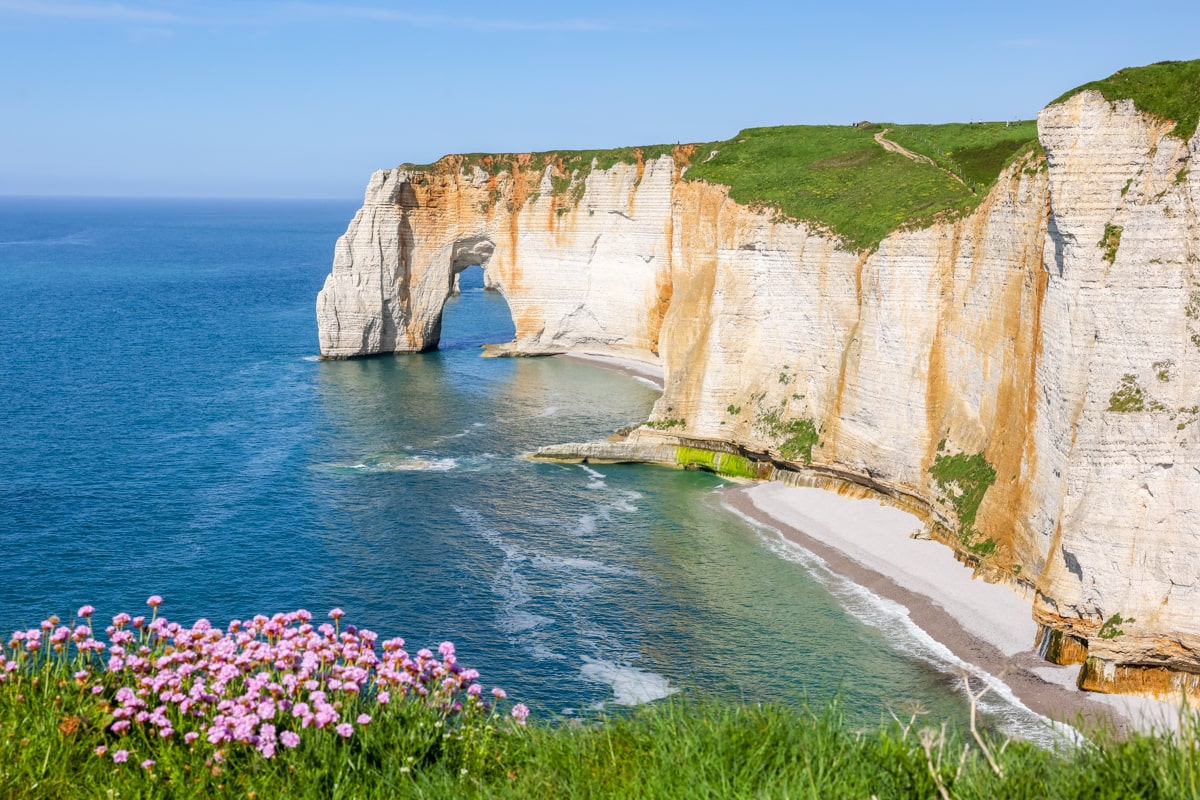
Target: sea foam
{"x":395,"y":463}
{"x":631,"y":686}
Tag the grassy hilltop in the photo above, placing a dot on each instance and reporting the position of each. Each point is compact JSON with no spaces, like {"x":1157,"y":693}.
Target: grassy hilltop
{"x":843,"y":180}
{"x":840,"y":179}
{"x":1168,"y":89}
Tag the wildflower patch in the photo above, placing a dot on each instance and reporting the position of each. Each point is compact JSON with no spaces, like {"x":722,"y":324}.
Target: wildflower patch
{"x":252,"y":690}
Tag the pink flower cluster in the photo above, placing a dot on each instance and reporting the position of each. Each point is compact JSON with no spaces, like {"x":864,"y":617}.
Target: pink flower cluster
{"x":261,"y":683}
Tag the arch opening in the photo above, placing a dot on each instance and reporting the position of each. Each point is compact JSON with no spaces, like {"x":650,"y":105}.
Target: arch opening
{"x":474,"y":312}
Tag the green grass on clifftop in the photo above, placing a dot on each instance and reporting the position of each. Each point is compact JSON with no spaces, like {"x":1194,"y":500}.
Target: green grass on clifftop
{"x":975,"y":152}
{"x":1168,"y":89}
{"x":842,"y":179}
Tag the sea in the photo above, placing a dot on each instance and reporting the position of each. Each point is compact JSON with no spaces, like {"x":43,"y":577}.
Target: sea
{"x":168,"y":428}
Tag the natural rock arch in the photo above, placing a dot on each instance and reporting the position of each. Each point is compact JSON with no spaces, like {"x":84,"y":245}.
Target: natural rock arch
{"x":475,"y":251}
{"x":419,"y":317}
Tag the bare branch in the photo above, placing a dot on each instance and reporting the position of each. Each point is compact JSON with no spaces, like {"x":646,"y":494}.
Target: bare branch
{"x":930,"y":737}
{"x":974,"y":697}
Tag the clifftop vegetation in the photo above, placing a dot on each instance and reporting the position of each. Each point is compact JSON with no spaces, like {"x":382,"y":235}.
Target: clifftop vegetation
{"x":1168,"y":89}
{"x":584,"y":160}
{"x":843,"y":179}
{"x":838,"y":178}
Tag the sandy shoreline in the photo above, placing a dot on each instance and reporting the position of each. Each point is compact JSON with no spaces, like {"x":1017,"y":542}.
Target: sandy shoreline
{"x":986,"y":625}
{"x":650,"y":373}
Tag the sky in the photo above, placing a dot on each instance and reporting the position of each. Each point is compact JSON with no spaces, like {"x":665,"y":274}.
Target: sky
{"x":171,"y":98}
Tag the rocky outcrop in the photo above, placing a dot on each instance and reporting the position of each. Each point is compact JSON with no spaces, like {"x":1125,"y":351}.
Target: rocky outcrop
{"x":1024,"y":376}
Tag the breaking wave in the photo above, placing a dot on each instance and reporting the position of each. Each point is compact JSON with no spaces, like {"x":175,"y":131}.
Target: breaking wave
{"x":1013,"y":716}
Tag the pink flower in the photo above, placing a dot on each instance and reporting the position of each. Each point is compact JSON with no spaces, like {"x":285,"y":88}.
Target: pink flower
{"x":520,"y":712}
{"x":364,"y":719}
{"x":154,"y":601}
{"x":336,"y":613}
{"x":148,"y":763}
{"x":345,"y":730}
{"x":85,"y":611}
{"x":120,"y":757}
{"x":101,"y":750}
{"x":191,"y":736}
{"x":289,"y":739}
{"x":499,"y":693}
{"x":266,"y":741}
{"x":382,"y":698}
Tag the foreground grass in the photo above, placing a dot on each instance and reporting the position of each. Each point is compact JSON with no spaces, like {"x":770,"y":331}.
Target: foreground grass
{"x":674,"y":749}
{"x":1168,"y":89}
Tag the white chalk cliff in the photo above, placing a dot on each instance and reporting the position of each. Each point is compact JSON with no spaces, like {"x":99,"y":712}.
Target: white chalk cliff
{"x":1025,"y":377}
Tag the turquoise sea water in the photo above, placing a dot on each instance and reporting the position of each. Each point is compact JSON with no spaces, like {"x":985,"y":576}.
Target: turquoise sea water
{"x":167,"y":429}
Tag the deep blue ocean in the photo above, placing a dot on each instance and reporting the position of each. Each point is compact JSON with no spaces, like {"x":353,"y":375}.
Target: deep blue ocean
{"x":168,"y":429}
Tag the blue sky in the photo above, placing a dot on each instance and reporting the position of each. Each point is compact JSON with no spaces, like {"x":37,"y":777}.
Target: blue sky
{"x":306,"y":99}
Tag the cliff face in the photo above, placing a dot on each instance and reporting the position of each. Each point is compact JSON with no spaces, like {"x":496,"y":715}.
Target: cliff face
{"x":1118,"y":453}
{"x":1025,"y":376}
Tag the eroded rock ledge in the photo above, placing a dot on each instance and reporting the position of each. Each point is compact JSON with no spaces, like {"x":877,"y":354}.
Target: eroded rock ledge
{"x":1025,"y":376}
